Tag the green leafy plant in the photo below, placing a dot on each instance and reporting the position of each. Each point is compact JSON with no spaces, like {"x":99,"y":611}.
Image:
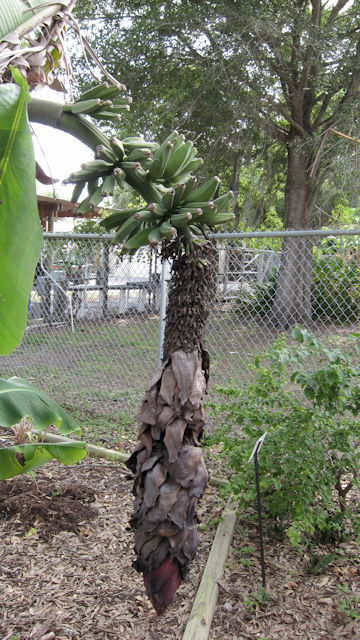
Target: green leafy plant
{"x":20,"y":229}
{"x":306,"y":396}
{"x":335,"y":290}
{"x":349,"y":604}
{"x":32,"y":411}
{"x":258,"y":600}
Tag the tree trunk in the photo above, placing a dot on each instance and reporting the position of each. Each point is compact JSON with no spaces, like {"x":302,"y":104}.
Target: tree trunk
{"x":170,"y":474}
{"x":292,"y":302}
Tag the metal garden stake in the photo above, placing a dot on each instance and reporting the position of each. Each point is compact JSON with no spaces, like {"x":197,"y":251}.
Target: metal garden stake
{"x":254,"y":456}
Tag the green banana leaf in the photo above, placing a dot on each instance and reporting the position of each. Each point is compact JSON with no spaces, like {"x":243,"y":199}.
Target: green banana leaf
{"x":22,"y":458}
{"x":20,"y":229}
{"x":20,"y":399}
{"x":16,"y":15}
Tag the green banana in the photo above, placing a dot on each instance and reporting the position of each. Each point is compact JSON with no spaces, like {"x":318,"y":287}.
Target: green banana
{"x":102,"y":166}
{"x":193,"y":165}
{"x":220,"y":218}
{"x":92,"y":185}
{"x":167,"y":230}
{"x":95,"y":198}
{"x":119,"y":176}
{"x":141,"y":173}
{"x":183,"y":177}
{"x":177,"y":141}
{"x":106,"y":115}
{"x":198,"y":240}
{"x":206,"y":207}
{"x":167,"y":199}
{"x":136,"y":142}
{"x":205,"y":192}
{"x":119,"y":108}
{"x":222,"y":203}
{"x":108,"y":185}
{"x":117,"y":147}
{"x":93,"y":92}
{"x":130,"y":165}
{"x":105,"y":153}
{"x":111,"y":92}
{"x":179,"y":220}
{"x":84,"y":205}
{"x":145,"y":215}
{"x":139,"y":239}
{"x":77,"y":191}
{"x":139,"y":154}
{"x":107,"y":104}
{"x":178,"y":158}
{"x":82,"y":175}
{"x":116,"y":218}
{"x":157,"y":209}
{"x":196,"y":213}
{"x":124,"y":100}
{"x":84,"y":106}
{"x":154,"y":236}
{"x":161,"y":157}
{"x":103,"y":91}
{"x":179,"y":192}
{"x":190,"y":185}
{"x":126,"y":229}
{"x":195,"y":230}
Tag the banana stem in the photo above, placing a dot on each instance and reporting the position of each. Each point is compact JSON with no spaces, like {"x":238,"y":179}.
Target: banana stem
{"x":52,"y":115}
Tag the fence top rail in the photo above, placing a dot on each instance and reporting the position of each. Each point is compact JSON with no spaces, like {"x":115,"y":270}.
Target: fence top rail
{"x":236,"y":235}
{"x":78,"y":236}
{"x":295,"y":233}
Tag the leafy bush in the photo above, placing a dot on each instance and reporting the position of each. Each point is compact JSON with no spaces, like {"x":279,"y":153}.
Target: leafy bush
{"x":335,"y":292}
{"x":336,"y":289}
{"x":258,"y":300}
{"x":309,"y":461}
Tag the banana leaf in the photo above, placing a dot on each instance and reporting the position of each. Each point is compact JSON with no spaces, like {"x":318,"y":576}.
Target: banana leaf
{"x":19,"y":399}
{"x":20,"y":229}
{"x":21,"y":16}
{"x":22,"y":458}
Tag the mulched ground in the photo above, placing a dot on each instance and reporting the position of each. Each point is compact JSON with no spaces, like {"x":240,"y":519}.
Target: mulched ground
{"x":66,"y":553}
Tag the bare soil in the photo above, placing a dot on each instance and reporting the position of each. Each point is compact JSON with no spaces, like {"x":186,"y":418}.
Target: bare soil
{"x":66,"y":552}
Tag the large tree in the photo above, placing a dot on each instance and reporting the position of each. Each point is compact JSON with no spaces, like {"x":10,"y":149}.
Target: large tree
{"x":234,"y":68}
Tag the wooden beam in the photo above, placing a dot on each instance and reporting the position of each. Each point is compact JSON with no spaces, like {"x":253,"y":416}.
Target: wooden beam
{"x":202,"y":612}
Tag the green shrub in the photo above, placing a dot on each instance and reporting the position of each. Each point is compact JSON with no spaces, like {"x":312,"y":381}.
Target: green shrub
{"x":335,"y":291}
{"x":306,"y":396}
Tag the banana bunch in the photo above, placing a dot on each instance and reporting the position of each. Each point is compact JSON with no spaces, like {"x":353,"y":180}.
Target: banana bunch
{"x":163,"y":175}
{"x":115,"y":162}
{"x":167,"y":217}
{"x":174,"y":160}
{"x":103,"y":102}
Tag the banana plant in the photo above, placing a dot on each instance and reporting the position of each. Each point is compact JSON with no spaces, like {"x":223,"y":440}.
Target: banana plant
{"x":23,"y":405}
{"x":177,"y":218}
{"x":20,"y":229}
{"x":170,"y":474}
{"x":20,"y":232}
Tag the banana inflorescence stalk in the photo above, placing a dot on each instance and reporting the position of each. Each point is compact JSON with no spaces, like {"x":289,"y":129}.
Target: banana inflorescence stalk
{"x":170,"y":474}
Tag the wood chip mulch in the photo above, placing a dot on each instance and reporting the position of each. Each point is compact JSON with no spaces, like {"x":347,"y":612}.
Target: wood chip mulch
{"x":66,"y":573}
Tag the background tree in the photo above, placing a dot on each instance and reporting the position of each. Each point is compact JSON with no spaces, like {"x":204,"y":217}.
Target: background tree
{"x":289,"y":70}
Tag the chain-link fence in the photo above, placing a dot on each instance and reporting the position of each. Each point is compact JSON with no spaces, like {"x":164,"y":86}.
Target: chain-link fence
{"x":95,"y":322}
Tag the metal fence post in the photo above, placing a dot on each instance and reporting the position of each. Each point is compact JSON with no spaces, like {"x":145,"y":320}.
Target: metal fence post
{"x":162,"y":312}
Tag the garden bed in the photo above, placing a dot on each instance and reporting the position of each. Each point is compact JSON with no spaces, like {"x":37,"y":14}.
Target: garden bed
{"x":76,"y":580}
